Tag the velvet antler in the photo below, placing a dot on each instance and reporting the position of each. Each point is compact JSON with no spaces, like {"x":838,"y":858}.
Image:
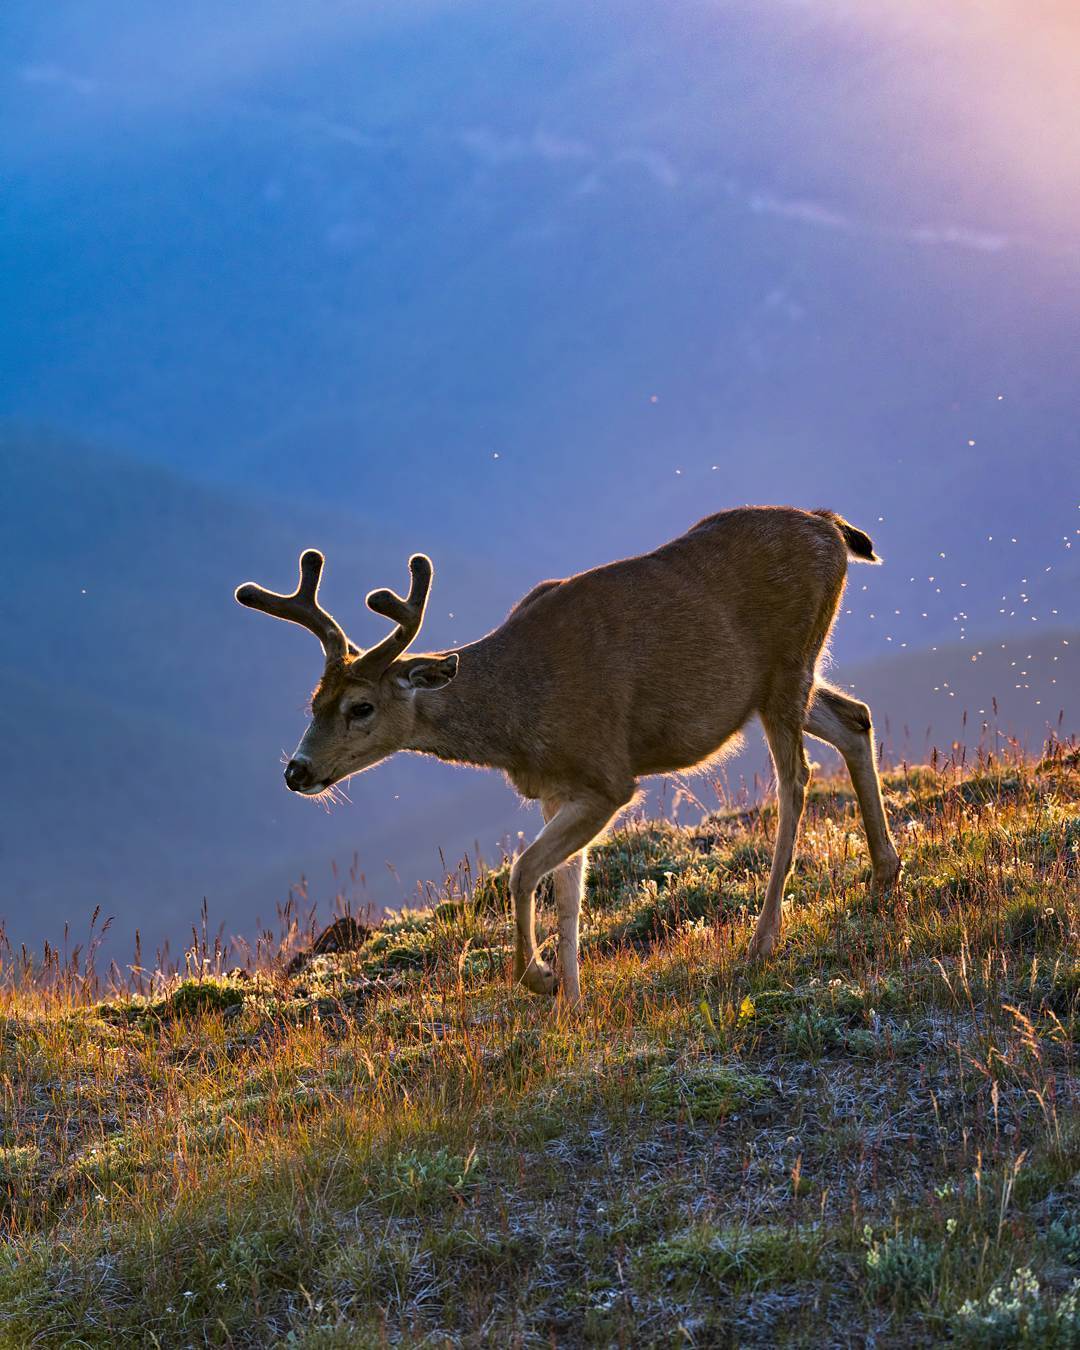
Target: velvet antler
{"x":407,"y":613}
{"x":302,"y":606}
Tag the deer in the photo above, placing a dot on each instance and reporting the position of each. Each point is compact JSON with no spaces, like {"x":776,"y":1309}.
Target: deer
{"x":646,"y":666}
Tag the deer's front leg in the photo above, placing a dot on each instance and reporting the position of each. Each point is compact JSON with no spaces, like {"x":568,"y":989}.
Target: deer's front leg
{"x":571,"y":826}
{"x":568,"y":883}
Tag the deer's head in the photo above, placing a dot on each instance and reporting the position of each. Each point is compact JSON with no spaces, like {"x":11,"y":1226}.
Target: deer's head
{"x":364,"y":707}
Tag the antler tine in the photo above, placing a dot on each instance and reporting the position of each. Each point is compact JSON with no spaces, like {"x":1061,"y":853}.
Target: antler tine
{"x":302,"y":607}
{"x":407,"y":613}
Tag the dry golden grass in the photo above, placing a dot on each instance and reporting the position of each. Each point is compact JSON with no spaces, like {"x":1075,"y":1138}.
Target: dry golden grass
{"x":869,"y":1136}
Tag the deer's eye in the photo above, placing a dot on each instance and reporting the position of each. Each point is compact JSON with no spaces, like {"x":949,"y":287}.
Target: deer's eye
{"x":359,"y":711}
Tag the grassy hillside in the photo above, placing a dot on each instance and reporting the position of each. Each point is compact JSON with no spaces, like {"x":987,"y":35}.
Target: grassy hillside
{"x":875,"y":1135}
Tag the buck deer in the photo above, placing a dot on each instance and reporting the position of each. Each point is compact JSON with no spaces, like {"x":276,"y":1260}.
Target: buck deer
{"x":644,"y":666}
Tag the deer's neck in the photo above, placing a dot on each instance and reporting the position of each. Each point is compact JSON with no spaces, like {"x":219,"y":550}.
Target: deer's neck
{"x":472,"y":720}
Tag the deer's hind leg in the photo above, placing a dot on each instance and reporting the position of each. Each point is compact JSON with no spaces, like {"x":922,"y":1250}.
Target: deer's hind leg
{"x":784,"y":735}
{"x":845,"y":723}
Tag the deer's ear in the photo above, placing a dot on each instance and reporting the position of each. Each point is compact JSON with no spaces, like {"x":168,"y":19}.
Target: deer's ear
{"x":428,"y":672}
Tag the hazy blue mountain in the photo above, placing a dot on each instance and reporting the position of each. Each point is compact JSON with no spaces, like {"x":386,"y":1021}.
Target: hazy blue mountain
{"x":145,"y":713}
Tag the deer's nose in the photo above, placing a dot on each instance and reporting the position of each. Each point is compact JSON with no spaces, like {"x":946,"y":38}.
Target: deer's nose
{"x":298,"y":775}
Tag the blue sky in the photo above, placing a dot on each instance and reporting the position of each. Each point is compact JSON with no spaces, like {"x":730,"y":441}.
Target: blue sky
{"x":201,"y":200}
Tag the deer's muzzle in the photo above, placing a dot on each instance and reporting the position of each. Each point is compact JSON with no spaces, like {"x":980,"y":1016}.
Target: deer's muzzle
{"x":300,"y":778}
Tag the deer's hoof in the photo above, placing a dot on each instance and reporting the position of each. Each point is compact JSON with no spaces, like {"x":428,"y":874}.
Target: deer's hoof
{"x":762,"y":944}
{"x":887,"y":876}
{"x":539,"y":978}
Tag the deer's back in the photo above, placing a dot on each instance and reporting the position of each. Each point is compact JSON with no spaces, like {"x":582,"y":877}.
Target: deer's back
{"x":661,"y":657}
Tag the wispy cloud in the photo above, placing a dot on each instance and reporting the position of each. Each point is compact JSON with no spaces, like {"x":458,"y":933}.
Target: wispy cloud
{"x":58,"y":78}
{"x":656,"y":165}
{"x":803,"y":211}
{"x":817,"y":215}
{"x":341,"y":131}
{"x":981,"y":240}
{"x":495,"y":149}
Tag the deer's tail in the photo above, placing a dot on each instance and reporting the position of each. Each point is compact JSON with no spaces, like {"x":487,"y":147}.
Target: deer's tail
{"x":859,"y":543}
